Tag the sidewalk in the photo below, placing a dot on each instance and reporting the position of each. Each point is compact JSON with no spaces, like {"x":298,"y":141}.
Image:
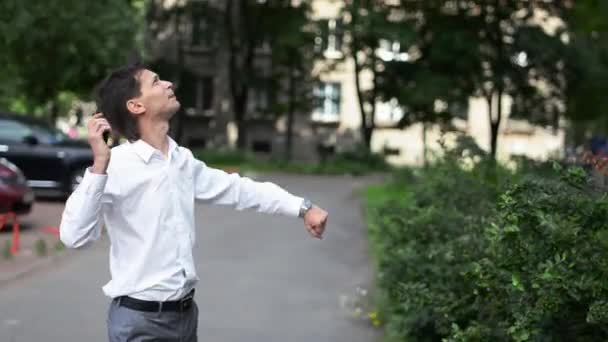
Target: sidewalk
{"x":38,"y":247}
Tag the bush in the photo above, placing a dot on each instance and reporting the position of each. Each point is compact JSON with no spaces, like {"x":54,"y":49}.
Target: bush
{"x":546,"y":266}
{"x":425,"y":239}
{"x":468,"y":251}
{"x":41,"y":248}
{"x":357,"y":162}
{"x":6,"y":250}
{"x":222,"y":157}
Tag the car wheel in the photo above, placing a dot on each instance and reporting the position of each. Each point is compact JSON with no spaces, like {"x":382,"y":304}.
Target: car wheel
{"x":76,"y":178}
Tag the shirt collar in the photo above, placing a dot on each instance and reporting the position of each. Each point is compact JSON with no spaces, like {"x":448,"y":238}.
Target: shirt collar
{"x":145,"y":150}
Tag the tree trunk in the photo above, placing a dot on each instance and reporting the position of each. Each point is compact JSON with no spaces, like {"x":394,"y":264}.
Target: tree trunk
{"x":495,"y":121}
{"x":367,"y":137}
{"x":179,"y":116}
{"x":240,"y":104}
{"x":54,"y":113}
{"x":240,"y":66}
{"x":290,"y":113}
{"x":366,"y":130}
{"x":358,"y":69}
{"x":424,"y":145}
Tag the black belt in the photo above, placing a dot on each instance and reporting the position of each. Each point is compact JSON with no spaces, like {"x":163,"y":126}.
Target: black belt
{"x":151,"y":306}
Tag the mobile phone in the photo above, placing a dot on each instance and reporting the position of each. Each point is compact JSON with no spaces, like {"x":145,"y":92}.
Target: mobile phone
{"x":106,"y":134}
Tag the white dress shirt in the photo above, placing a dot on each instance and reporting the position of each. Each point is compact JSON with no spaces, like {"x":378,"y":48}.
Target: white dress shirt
{"x":146,"y":201}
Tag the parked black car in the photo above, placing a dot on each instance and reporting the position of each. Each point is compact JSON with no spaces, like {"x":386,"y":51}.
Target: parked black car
{"x":52,"y":162}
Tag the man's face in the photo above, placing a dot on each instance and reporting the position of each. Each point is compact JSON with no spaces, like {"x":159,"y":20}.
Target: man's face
{"x":157,"y":97}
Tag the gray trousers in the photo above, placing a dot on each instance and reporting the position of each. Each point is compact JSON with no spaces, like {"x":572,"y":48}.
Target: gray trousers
{"x":128,"y":325}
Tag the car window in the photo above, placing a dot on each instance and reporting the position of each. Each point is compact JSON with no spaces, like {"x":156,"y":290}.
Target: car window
{"x":13,"y":131}
{"x":48,"y":135}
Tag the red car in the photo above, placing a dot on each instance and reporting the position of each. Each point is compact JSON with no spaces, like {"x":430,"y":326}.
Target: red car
{"x":15,"y":194}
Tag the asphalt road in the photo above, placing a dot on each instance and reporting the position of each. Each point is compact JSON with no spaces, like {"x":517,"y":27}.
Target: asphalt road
{"x":262,"y":277}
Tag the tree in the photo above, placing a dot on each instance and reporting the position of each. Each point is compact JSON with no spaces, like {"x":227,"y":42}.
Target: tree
{"x":291,"y":40}
{"x":367,"y":18}
{"x":378,"y":42}
{"x":243,"y":26}
{"x":586,"y":67}
{"x":489,"y":49}
{"x":251,"y":28}
{"x":54,"y":46}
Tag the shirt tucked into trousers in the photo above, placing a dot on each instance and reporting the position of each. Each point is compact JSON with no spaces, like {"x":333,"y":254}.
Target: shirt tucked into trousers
{"x":125,"y":324}
{"x":146,"y":202}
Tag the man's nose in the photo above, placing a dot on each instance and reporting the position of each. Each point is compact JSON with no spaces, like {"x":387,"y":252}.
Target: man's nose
{"x":169,"y":85}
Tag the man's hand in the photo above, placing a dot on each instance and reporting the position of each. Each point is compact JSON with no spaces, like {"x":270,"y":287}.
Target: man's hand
{"x":315,"y":220}
{"x":96,"y":126}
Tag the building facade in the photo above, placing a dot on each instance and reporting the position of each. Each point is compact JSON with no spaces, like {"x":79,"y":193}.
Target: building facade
{"x":190,"y":43}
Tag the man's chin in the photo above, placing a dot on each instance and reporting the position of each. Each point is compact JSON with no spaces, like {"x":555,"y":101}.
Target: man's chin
{"x":174,"y":108}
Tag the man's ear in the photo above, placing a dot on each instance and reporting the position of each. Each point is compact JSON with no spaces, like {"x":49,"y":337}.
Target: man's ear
{"x":135,"y":107}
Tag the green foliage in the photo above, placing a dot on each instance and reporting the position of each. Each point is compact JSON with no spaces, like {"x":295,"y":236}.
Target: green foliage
{"x":488,"y":49}
{"x":59,"y":246}
{"x":224,"y":157}
{"x":53,"y":46}
{"x":355,"y":163}
{"x":6,"y":250}
{"x":41,"y":247}
{"x":473,"y":252}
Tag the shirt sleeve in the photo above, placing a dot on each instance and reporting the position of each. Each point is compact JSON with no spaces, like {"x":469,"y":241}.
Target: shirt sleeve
{"x":218,"y":187}
{"x":82,"y":217}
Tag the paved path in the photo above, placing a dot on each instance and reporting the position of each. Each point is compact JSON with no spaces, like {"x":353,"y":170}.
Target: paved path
{"x":262,"y":278}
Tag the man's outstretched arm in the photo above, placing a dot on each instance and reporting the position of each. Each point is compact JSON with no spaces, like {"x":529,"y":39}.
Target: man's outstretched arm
{"x":218,"y":187}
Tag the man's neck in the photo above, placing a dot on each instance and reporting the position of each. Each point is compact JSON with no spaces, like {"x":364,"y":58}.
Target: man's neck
{"x":155,"y":134}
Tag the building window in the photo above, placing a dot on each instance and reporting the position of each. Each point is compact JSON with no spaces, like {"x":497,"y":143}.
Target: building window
{"x":391,"y":51}
{"x":389,"y":111}
{"x":327,"y":102}
{"x":204,"y":94}
{"x":196,"y":94}
{"x":258,"y":100}
{"x":329,"y":39}
{"x":459,"y":110}
{"x":201,"y":28}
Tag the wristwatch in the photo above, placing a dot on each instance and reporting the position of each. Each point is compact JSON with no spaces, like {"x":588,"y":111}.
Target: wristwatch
{"x":305,"y":207}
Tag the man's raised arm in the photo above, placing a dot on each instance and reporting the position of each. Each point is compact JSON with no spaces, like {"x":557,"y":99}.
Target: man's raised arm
{"x":81,"y":219}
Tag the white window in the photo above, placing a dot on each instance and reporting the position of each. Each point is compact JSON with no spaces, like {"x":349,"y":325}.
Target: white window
{"x":389,"y":111}
{"x":204,"y":94}
{"x":329,"y":39}
{"x":197,"y":95}
{"x":334,"y":37}
{"x":327,"y":102}
{"x":257,"y":100}
{"x":391,"y":51}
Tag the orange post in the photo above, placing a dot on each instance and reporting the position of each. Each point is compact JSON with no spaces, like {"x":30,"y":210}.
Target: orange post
{"x":15,"y":246}
{"x":3,"y":219}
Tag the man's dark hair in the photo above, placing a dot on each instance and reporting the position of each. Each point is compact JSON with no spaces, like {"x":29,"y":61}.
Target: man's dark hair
{"x":112,"y":94}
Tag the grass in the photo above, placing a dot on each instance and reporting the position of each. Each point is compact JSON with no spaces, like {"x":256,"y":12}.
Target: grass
{"x":347,"y":163}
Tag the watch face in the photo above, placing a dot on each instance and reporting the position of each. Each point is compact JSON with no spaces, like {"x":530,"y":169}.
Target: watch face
{"x":307,"y":204}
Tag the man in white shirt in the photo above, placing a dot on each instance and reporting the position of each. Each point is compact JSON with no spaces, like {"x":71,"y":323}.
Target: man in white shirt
{"x":145,"y":194}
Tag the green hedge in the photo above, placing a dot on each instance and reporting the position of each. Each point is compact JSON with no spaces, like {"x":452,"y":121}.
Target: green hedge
{"x":357,"y":162}
{"x":463,"y":256}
